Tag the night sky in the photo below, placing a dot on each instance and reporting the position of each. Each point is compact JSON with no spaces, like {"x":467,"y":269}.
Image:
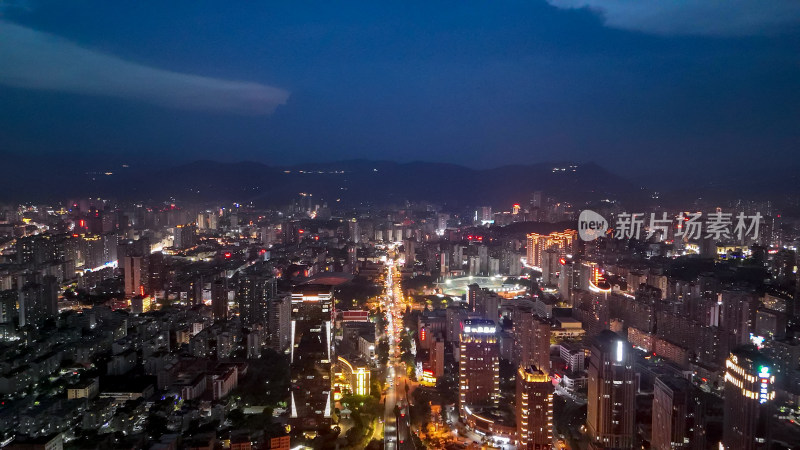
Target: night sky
{"x":640,"y":86}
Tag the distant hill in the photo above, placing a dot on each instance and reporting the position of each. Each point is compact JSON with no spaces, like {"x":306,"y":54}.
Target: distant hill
{"x":358,"y":182}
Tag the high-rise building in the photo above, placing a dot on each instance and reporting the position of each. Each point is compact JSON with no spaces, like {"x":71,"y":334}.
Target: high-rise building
{"x":35,"y":249}
{"x":441,"y":221}
{"x":611,"y":411}
{"x":563,"y":241}
{"x":185,"y":236}
{"x":479,"y":364}
{"x":410,"y":251}
{"x":474,"y":266}
{"x":483,"y":259}
{"x":155,"y":268}
{"x":268,"y":236}
{"x":749,"y":398}
{"x":311,"y":353}
{"x":473,"y":290}
{"x":436,"y":359}
{"x":536,"y":199}
{"x":674,"y":414}
{"x":487,"y":304}
{"x":280,"y":319}
{"x":534,"y":409}
{"x":494,"y":267}
{"x":444,"y":264}
{"x":458,"y":257}
{"x":254,"y":294}
{"x":738,"y":315}
{"x":219,"y":299}
{"x":96,"y":250}
{"x":8,"y":306}
{"x":352,"y":257}
{"x":353,"y":231}
{"x":289,"y":232}
{"x":454,"y":317}
{"x":551,"y":266}
{"x":38,"y":302}
{"x":132,"y":269}
{"x":531,"y":339}
{"x":483,"y":214}
{"x":196,"y":288}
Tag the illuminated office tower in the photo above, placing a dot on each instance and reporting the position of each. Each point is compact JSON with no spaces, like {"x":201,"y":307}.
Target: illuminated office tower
{"x":311,"y":353}
{"x":534,"y":409}
{"x":479,"y":365}
{"x":749,"y":397}
{"x":611,"y":411}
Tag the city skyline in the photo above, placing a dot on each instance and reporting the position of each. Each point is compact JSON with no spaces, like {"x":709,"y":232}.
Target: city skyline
{"x":509,"y":225}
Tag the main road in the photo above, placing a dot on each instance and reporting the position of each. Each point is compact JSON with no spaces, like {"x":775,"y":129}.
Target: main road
{"x":396,"y":420}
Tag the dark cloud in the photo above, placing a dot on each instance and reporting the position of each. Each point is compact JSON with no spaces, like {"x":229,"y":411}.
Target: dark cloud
{"x":36,"y":60}
{"x":693,"y":17}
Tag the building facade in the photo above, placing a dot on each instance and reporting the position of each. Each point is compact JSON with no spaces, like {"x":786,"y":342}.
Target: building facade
{"x":611,"y":411}
{"x":534,"y":409}
{"x":479,"y":364}
{"x":311,"y":354}
{"x":749,"y":397}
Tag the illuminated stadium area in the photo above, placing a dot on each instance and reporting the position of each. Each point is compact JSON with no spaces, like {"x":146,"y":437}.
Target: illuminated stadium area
{"x":458,"y":286}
